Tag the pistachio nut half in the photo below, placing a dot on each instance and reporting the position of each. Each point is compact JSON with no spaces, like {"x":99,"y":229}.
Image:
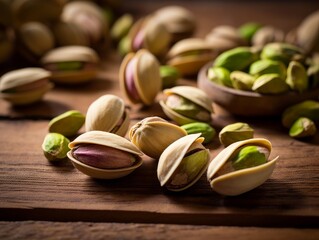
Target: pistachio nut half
{"x":104,"y":155}
{"x":302,"y":127}
{"x":270,"y":83}
{"x":153,"y":135}
{"x":71,"y":64}
{"x":206,"y":130}
{"x":25,"y":86}
{"x":140,"y":78}
{"x":241,"y":167}
{"x":189,"y":55}
{"x":67,"y":123}
{"x":108,"y":113}
{"x":235,"y":132}
{"x":186,"y":104}
{"x":183,"y":163}
{"x":55,"y":146}
{"x":297,"y":78}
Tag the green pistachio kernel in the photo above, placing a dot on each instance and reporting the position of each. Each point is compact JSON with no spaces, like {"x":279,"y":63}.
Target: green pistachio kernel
{"x":169,"y":76}
{"x":235,"y":132}
{"x":207,"y":131}
{"x":297,"y":78}
{"x":250,"y":156}
{"x":121,"y":27}
{"x":69,"y":66}
{"x":270,"y":83}
{"x":265,"y":66}
{"x":248,"y":30}
{"x":55,"y":146}
{"x":302,"y":127}
{"x":220,"y":76}
{"x":242,"y":80}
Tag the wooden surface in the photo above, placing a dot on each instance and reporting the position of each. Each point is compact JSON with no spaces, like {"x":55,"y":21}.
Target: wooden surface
{"x":32,"y":189}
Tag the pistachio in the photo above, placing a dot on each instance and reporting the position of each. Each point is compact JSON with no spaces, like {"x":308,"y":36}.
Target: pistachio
{"x":241,"y":80}
{"x":55,"y":146}
{"x":308,"y":109}
{"x":250,"y":156}
{"x":207,"y":131}
{"x":220,"y":76}
{"x":297,"y":78}
{"x":68,"y":123}
{"x":302,"y":127}
{"x":148,"y":134}
{"x":236,"y":59}
{"x":124,"y":46}
{"x":248,"y":30}
{"x":169,"y":76}
{"x":265,"y":66}
{"x":121,"y":27}
{"x":270,"y":83}
{"x":235,"y":132}
{"x":267,"y":34}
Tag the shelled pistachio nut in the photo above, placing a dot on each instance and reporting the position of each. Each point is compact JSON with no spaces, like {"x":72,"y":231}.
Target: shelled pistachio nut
{"x":267,"y":34}
{"x":140,"y":78}
{"x":265,"y":66}
{"x":55,"y":146}
{"x":270,"y":83}
{"x":241,"y":80}
{"x":169,"y":76}
{"x":71,"y":64}
{"x":124,"y":46}
{"x":248,"y":30}
{"x":219,"y":75}
{"x":186,"y":104}
{"x":302,"y":127}
{"x":183,"y":163}
{"x":179,"y":21}
{"x":121,"y":27}
{"x":108,"y":113}
{"x":241,"y":167}
{"x":308,"y":109}
{"x":297,"y":78}
{"x":206,"y":130}
{"x":25,"y":86}
{"x":153,"y":135}
{"x":189,"y":55}
{"x":67,"y":123}
{"x":104,"y":155}
{"x":237,"y":58}
{"x":149,"y":33}
{"x":235,"y":132}
{"x":6,"y":44}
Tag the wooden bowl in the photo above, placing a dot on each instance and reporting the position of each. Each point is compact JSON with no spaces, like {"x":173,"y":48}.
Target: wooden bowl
{"x":247,"y":103}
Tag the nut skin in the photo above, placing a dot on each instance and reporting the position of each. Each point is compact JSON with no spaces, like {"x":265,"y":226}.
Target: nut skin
{"x":55,"y":146}
{"x":297,"y":78}
{"x":235,"y":132}
{"x":207,"y":131}
{"x":302,"y":127}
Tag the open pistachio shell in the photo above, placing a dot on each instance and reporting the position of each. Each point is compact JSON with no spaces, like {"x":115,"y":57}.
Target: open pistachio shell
{"x":240,"y":181}
{"x":148,"y":134}
{"x":25,"y":86}
{"x":108,"y":114}
{"x":140,"y":78}
{"x":189,"y":55}
{"x":173,"y":156}
{"x":71,"y":64}
{"x":108,"y":140}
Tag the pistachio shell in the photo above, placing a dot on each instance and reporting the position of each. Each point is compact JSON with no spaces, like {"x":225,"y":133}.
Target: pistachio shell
{"x":148,"y":134}
{"x":55,"y":146}
{"x":237,"y":182}
{"x":108,"y":114}
{"x":302,"y":127}
{"x":172,"y":158}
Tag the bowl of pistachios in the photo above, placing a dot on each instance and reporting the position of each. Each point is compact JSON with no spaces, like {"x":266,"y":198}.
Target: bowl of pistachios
{"x":250,"y":81}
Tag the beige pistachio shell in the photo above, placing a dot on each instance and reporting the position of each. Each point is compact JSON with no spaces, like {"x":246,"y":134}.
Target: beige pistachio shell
{"x":240,"y":181}
{"x":173,"y":155}
{"x":110,"y":140}
{"x":106,"y":113}
{"x":147,"y":79}
{"x":148,"y":134}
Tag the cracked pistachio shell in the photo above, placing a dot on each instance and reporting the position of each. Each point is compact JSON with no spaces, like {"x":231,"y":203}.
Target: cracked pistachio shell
{"x":109,"y":140}
{"x":270,"y":83}
{"x":177,"y":171}
{"x":140,"y":78}
{"x":68,"y":123}
{"x":108,"y":113}
{"x":267,"y":34}
{"x":189,"y":55}
{"x":71,"y":64}
{"x":153,"y":135}
{"x":241,"y":80}
{"x":297,"y":78}
{"x":265,"y":66}
{"x":196,"y":96}
{"x":55,"y":146}
{"x":235,"y":132}
{"x":308,"y":109}
{"x":25,"y":86}
{"x":302,"y":127}
{"x":235,"y":182}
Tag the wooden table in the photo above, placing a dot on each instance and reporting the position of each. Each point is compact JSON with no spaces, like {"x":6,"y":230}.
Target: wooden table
{"x":40,"y":200}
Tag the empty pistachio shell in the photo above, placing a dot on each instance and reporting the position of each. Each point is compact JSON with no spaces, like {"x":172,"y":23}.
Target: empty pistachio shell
{"x":71,"y":64}
{"x":55,"y":146}
{"x":302,"y":127}
{"x":108,"y":114}
{"x":265,"y":66}
{"x":186,"y":104}
{"x":25,"y":86}
{"x":183,"y":163}
{"x":68,"y":123}
{"x":267,"y":34}
{"x":207,"y":131}
{"x":270,"y":83}
{"x":309,"y":109}
{"x":248,"y":30}
{"x":220,"y":75}
{"x":121,"y":27}
{"x":104,"y":155}
{"x":169,"y":76}
{"x":235,"y":132}
{"x":297,"y":78}
{"x":148,"y":134}
{"x":140,"y":78}
{"x":252,"y":170}
{"x":241,"y":80}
